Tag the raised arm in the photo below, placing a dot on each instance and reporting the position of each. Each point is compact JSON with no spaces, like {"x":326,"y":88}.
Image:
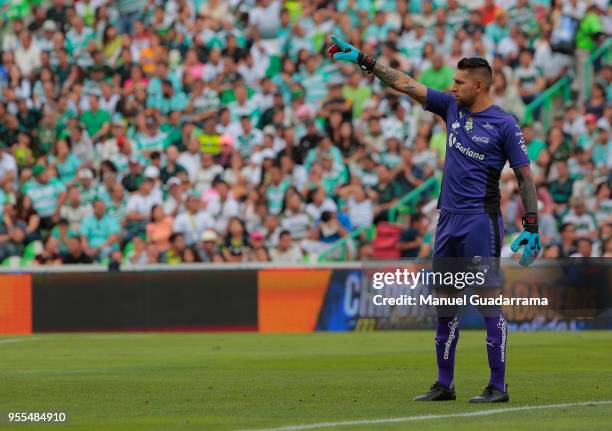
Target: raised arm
{"x":401,"y":82}
{"x":341,"y":50}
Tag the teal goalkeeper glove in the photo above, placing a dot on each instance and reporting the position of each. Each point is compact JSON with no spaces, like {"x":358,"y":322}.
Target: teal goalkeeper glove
{"x":530,"y":238}
{"x":340,"y":50}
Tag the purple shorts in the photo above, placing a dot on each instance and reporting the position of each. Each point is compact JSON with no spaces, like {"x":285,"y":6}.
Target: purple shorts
{"x":468,"y":235}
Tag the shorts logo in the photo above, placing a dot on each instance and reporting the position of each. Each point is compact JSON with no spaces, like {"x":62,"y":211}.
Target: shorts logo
{"x":480,"y":139}
{"x":469,"y":124}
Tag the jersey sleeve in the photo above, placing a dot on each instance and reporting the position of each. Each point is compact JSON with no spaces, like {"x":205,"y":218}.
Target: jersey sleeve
{"x":438,"y":102}
{"x":514,"y":145}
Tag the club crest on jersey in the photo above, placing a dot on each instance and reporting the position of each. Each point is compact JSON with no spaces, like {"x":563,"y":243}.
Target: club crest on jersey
{"x":469,"y":124}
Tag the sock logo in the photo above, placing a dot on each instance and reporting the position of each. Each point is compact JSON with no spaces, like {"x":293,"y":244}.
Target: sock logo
{"x":453,"y":324}
{"x":501,"y":324}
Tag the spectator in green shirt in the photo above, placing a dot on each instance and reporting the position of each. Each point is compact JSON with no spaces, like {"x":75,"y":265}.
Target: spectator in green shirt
{"x":561,"y":188}
{"x":275,"y":192}
{"x":168,"y":100}
{"x":47,"y":194}
{"x":534,"y":146}
{"x":95,"y":120}
{"x":586,"y":42}
{"x":498,"y":29}
{"x":589,"y":28}
{"x":387,"y":193}
{"x":439,"y":76}
{"x":355,"y":92}
{"x":99,"y":232}
{"x":65,"y":162}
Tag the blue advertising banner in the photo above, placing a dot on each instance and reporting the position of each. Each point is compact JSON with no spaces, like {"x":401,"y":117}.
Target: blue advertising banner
{"x":555,"y":295}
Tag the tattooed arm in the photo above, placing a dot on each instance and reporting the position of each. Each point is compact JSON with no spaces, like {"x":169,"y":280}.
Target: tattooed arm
{"x":527,"y":189}
{"x":341,"y":50}
{"x":401,"y":82}
{"x":530,"y":237}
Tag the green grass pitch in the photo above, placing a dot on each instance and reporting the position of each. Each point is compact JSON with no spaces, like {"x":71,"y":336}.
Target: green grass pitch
{"x":253,"y":381}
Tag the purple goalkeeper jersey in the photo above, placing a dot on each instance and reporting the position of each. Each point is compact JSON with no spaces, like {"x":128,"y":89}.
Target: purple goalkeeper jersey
{"x":478,"y":146}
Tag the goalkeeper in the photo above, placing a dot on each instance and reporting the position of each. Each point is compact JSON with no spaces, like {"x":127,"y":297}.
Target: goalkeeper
{"x":481,"y":138}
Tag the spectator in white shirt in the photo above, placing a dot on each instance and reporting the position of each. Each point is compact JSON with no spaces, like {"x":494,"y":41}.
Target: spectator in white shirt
{"x":8,"y":166}
{"x":223,"y":207}
{"x":226,"y":126}
{"x":585,"y":224}
{"x":207,"y":173}
{"x":193,"y":222}
{"x":286,"y":251}
{"x":584,"y":248}
{"x":175,"y":202}
{"x":139,"y":207}
{"x":360,"y":208}
{"x":266,"y":18}
{"x":27,"y":56}
{"x":191,"y":159}
{"x":74,"y":210}
{"x":319,"y":202}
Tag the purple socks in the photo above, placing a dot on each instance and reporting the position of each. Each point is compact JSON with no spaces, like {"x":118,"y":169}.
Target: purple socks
{"x":447,"y":335}
{"x":497,"y":332}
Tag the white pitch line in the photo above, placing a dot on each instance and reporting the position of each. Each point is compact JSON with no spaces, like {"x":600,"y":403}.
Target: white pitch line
{"x":429,"y":417}
{"x":16,"y":340}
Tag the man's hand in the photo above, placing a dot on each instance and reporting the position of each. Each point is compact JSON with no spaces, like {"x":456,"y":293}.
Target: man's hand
{"x":341,"y":50}
{"x":530,"y":239}
{"x":395,"y":79}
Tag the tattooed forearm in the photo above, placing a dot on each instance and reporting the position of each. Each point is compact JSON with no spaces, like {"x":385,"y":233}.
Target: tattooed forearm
{"x":527,"y":189}
{"x":401,"y":82}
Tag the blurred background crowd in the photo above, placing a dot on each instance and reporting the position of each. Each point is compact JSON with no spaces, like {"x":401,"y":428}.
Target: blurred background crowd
{"x":152,"y":131}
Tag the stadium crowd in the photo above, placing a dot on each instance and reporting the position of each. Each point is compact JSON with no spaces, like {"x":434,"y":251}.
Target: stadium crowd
{"x":146,"y":131}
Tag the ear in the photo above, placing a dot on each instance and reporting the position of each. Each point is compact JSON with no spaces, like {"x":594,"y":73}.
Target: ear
{"x":480,"y":86}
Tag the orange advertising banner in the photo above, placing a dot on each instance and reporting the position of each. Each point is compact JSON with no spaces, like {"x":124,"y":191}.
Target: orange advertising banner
{"x":290,"y":300}
{"x":16,"y":304}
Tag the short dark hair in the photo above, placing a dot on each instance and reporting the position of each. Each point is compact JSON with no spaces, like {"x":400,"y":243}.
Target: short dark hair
{"x":480,"y":65}
{"x":176,"y":235}
{"x":584,"y":239}
{"x":565,"y":226}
